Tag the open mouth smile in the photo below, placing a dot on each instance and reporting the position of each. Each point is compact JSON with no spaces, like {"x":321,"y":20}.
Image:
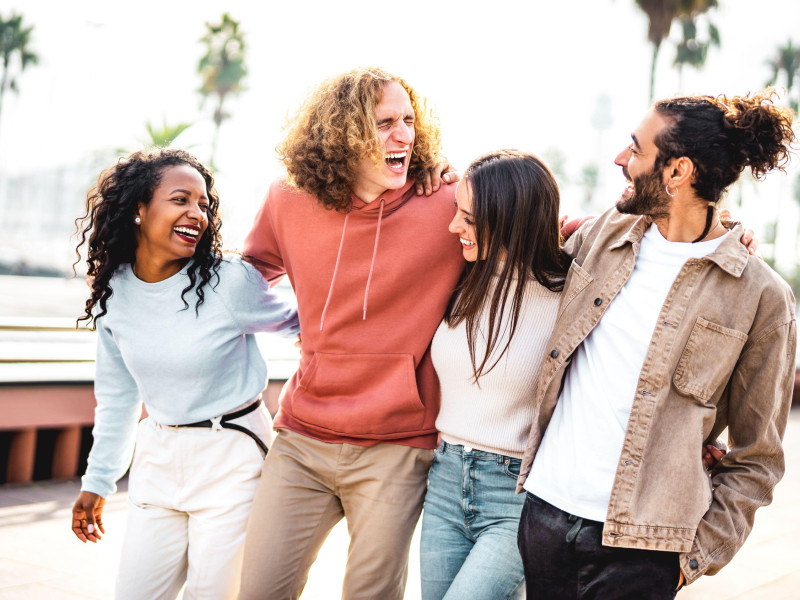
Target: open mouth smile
{"x":466,"y":243}
{"x":396,"y":161}
{"x":187,"y":233}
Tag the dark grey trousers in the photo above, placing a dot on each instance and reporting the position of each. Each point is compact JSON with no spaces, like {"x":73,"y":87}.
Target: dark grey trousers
{"x":564,"y":558}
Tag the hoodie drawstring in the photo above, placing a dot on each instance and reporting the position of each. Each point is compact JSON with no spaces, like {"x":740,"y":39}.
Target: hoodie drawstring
{"x":371,"y":266}
{"x":335,"y":269}
{"x":374,"y":254}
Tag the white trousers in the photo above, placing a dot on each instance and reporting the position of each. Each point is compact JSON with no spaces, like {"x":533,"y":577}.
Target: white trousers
{"x":189,"y":497}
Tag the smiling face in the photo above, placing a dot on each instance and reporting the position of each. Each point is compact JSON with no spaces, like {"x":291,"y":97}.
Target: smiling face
{"x":174,"y":220}
{"x":463,"y":223}
{"x":394,"y":121}
{"x":645,"y":193}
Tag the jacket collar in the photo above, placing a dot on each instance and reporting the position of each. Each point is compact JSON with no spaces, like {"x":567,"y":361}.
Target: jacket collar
{"x":731,"y":256}
{"x":634,"y":234}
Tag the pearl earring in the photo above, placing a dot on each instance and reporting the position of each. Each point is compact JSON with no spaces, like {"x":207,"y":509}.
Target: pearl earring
{"x":137,"y":220}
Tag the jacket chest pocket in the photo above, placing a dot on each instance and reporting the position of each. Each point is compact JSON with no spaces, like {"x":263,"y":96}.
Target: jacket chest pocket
{"x":708,"y":359}
{"x":577,"y":280}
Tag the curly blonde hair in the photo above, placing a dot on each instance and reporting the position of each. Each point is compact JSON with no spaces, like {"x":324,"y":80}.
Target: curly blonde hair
{"x":335,"y":129}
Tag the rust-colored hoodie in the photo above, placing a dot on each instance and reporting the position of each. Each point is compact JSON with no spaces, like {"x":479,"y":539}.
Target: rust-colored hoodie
{"x":372,"y":287}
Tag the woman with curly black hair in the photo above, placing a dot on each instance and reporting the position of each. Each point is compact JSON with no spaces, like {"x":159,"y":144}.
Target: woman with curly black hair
{"x":175,"y":321}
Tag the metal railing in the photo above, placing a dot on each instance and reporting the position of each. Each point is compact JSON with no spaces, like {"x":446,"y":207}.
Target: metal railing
{"x":47,"y":396}
{"x":48,"y":350}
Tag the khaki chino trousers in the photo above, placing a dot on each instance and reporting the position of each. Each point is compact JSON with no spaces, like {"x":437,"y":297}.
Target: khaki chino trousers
{"x":306,"y":487}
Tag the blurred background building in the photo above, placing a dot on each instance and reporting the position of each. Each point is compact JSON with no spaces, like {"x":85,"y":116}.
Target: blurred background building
{"x":569,"y":81}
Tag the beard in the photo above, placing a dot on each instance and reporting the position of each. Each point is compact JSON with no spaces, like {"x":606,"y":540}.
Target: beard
{"x":648,"y":196}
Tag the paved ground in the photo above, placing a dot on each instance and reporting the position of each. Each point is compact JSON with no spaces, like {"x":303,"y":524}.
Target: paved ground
{"x":41,"y":560}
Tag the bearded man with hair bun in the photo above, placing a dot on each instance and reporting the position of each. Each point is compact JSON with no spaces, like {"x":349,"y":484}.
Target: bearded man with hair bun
{"x":668,"y":333}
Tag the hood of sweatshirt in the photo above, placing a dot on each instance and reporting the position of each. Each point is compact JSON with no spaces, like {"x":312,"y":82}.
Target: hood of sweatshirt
{"x":385,"y":204}
{"x":391,"y":200}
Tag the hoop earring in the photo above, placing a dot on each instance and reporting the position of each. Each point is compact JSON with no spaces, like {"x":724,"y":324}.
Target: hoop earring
{"x":666,"y":188}
{"x":137,"y":220}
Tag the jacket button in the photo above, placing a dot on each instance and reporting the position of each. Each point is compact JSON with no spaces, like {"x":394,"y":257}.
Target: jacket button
{"x":693,"y":563}
{"x":598,"y":301}
{"x":554,"y":354}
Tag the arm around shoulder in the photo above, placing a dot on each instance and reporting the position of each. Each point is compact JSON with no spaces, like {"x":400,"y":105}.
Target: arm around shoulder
{"x":574,"y":233}
{"x":261,"y":247}
{"x":253,"y":304}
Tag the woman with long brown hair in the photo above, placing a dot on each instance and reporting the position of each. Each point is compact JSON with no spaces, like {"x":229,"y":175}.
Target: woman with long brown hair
{"x":487,"y":354}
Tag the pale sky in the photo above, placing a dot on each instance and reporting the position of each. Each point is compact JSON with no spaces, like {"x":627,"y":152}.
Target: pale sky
{"x":500,"y":74}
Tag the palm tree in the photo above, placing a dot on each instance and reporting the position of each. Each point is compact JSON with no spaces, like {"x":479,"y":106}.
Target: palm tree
{"x":589,"y":180}
{"x":15,"y":54}
{"x":222,"y":68}
{"x":163,"y":135}
{"x":787,"y":62}
{"x":660,"y":14}
{"x":691,"y":50}
{"x":160,"y":136}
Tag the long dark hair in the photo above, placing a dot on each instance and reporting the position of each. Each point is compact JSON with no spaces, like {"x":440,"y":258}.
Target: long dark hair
{"x":515,"y":203}
{"x":111,"y":207}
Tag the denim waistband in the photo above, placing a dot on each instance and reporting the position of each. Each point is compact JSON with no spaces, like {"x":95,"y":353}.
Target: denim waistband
{"x":471,"y":452}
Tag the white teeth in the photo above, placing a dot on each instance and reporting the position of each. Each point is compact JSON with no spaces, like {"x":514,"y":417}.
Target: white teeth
{"x":466,"y":242}
{"x":186,"y":231}
{"x":396,"y":154}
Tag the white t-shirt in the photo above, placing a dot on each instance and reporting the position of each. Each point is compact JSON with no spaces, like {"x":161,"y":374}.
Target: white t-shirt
{"x":576,"y":463}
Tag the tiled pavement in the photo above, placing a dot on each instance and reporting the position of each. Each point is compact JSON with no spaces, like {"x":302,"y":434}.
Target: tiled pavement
{"x":41,"y":560}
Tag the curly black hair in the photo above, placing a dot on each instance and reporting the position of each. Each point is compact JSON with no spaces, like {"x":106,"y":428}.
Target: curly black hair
{"x":108,"y":222}
{"x":724,"y":134}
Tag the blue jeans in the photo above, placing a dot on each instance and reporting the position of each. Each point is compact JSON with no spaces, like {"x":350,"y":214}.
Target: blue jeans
{"x":468,"y":549}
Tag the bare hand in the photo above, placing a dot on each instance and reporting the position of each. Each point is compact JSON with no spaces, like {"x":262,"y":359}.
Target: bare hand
{"x":748,"y":238}
{"x":433,"y":178}
{"x":712,"y":455}
{"x":750,"y":242}
{"x":87,"y":517}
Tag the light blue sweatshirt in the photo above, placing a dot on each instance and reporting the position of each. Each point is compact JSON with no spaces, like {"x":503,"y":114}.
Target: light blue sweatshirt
{"x":184,"y":367}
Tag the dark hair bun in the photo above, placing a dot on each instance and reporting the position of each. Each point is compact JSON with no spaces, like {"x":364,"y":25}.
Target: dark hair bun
{"x":761,"y":129}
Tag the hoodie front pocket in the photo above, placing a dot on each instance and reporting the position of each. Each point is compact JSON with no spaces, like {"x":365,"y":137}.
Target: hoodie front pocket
{"x":360,"y":395}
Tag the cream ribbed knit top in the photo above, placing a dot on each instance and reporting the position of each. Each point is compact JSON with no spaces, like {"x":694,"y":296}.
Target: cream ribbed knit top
{"x":497,"y":416}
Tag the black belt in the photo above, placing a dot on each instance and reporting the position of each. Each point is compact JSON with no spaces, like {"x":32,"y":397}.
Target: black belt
{"x":223,"y":422}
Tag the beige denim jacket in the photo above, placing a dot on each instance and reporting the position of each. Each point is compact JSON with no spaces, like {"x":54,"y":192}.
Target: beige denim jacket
{"x":722,"y":355}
